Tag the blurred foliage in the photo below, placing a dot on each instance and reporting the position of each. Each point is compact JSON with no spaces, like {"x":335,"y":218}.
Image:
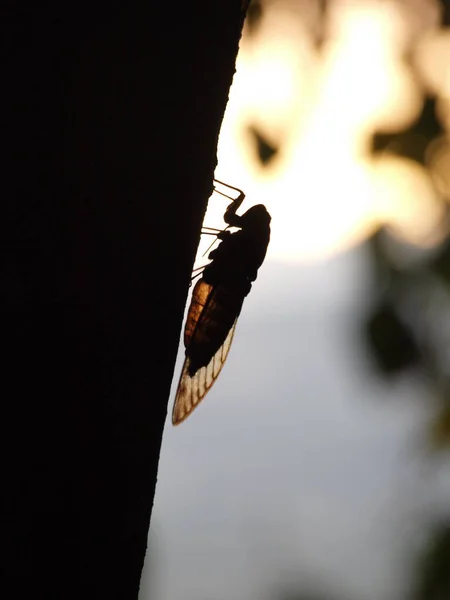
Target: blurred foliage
{"x":405,"y":327}
{"x":441,"y":263}
{"x":392,"y":341}
{"x":413,"y":142}
{"x":434,"y":567}
{"x":253,"y":16}
{"x":445,"y":13}
{"x":440,"y":428}
{"x":408,"y":325}
{"x":265,"y":151}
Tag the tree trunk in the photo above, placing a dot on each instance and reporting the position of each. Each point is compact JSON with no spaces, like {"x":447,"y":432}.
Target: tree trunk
{"x":111,"y":129}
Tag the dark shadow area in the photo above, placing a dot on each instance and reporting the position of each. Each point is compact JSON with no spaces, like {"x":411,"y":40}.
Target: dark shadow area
{"x":111,"y":114}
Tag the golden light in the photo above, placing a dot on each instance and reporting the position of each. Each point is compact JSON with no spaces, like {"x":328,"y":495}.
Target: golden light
{"x":324,"y":190}
{"x":407,"y":201}
{"x":432,"y":59}
{"x":438,"y":156}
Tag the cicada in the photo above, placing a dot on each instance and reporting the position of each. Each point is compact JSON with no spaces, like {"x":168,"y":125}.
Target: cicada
{"x":217,"y":300}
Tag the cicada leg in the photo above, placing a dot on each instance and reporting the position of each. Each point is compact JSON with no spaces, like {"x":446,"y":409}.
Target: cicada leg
{"x":230,"y":187}
{"x":210,"y":230}
{"x":200,"y":272}
{"x":230,"y":215}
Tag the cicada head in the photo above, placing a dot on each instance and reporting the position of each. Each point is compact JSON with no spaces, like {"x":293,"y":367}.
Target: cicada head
{"x":256,"y":218}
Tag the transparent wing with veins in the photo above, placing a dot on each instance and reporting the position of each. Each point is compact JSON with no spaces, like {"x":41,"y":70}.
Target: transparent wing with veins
{"x":192,"y":390}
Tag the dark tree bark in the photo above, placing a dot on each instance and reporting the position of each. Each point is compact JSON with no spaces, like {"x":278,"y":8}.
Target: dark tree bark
{"x":111,"y":126}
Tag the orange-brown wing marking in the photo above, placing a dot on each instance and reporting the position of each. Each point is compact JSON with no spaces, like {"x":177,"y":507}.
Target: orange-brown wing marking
{"x":200,"y":296}
{"x":192,"y":390}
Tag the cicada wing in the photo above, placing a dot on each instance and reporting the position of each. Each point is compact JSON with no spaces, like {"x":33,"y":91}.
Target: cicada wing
{"x":192,"y":390}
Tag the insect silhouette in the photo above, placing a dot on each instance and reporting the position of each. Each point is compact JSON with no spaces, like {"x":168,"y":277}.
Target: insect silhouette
{"x":217,"y":299}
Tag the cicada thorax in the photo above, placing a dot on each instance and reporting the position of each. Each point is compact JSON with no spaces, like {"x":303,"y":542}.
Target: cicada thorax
{"x":214,"y":309}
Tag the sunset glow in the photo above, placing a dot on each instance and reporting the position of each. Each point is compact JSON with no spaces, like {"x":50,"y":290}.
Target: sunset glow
{"x":324,"y":190}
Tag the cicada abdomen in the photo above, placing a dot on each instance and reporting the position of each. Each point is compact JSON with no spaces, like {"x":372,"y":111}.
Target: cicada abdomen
{"x":216,"y":303}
